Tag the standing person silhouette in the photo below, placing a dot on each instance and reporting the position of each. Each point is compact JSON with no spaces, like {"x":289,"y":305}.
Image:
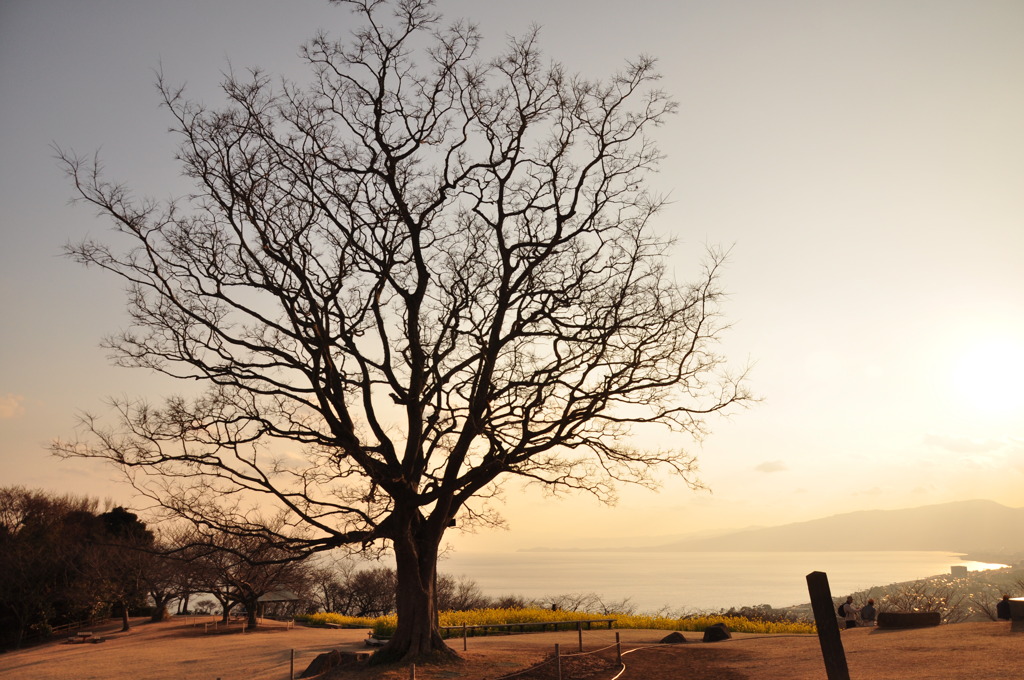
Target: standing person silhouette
{"x":868,"y":613}
{"x":1003,"y":608}
{"x":849,"y":612}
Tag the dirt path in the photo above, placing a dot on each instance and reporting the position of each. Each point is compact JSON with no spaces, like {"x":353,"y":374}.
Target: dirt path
{"x":959,"y":652}
{"x":177,"y":650}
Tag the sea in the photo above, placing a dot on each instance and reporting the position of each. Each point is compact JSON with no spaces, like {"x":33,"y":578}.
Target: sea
{"x":677,"y":583}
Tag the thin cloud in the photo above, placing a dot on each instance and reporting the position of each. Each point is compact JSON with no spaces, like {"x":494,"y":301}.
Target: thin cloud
{"x":770,"y":466}
{"x":10,"y":406}
{"x":1015,"y":455}
{"x":873,"y":492}
{"x":962,"y":444}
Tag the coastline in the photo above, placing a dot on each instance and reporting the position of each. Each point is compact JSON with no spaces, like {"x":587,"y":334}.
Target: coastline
{"x":980,"y":586}
{"x":1006,"y":559}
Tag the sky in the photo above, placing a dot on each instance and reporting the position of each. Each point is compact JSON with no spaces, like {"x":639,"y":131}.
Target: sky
{"x":864,"y":160}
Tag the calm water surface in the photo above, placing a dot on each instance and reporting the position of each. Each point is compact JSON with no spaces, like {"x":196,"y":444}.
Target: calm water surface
{"x":693,"y":581}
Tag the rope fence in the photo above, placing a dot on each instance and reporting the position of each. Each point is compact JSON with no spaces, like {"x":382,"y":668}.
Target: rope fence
{"x":560,"y":661}
{"x":522,"y":627}
{"x":212,"y":623}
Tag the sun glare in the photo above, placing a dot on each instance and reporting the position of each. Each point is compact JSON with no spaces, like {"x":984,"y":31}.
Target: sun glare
{"x":990,"y":376}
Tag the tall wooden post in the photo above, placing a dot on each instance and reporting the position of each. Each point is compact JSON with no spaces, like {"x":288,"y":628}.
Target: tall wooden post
{"x":828,"y":627}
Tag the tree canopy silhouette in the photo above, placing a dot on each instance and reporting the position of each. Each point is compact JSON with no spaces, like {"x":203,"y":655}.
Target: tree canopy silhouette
{"x":417,"y":275}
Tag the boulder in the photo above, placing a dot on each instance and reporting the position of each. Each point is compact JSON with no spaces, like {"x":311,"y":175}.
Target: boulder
{"x":1017,"y":614}
{"x":673,"y":638}
{"x":322,"y":663}
{"x":717,"y":633}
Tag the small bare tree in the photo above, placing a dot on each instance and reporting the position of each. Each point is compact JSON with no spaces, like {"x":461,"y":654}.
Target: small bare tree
{"x":460,"y":594}
{"x":165,"y":577}
{"x":422,"y":274}
{"x":933,"y":595}
{"x":241,"y":569}
{"x":589,"y":602}
{"x":328,"y":587}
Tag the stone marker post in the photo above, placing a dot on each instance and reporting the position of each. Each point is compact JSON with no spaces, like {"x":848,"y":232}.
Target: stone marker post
{"x":828,"y":626}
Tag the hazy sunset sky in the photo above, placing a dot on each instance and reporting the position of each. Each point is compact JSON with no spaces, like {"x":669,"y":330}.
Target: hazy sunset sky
{"x":864,"y":158}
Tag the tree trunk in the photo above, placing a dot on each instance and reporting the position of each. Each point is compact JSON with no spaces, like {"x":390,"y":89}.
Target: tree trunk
{"x":227,"y":607}
{"x":125,"y":623}
{"x":160,"y":611}
{"x":417,"y":637}
{"x":251,"y":610}
{"x":22,"y":617}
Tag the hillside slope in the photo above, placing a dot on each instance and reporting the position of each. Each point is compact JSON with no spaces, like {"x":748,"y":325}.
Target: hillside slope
{"x":969,"y":526}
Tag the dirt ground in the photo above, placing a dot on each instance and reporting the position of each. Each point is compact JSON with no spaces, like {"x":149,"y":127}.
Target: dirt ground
{"x":180,"y":649}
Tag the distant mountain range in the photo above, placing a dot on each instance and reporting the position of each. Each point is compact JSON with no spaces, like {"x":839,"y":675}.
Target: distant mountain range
{"x":980,"y":528}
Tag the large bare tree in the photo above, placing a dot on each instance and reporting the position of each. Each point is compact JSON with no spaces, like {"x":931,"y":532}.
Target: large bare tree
{"x":419,"y":274}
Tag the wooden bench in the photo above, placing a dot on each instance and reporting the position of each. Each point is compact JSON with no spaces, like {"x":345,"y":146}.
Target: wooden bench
{"x":84,"y":636}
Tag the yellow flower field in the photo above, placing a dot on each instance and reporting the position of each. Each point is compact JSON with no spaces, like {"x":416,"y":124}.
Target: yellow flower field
{"x":384,"y":626}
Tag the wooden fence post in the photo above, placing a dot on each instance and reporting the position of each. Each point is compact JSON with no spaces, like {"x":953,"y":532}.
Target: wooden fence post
{"x":828,"y":627}
{"x":579,"y":632}
{"x":463,"y":636}
{"x":558,"y":662}
{"x":618,"y":649}
{"x":291,"y":667}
